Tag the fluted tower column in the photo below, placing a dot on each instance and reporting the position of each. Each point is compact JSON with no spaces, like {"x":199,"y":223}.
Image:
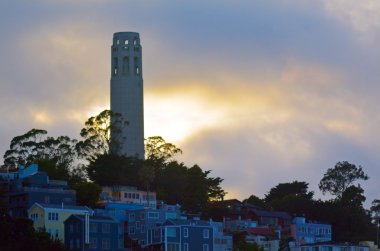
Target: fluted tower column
{"x":127,"y":93}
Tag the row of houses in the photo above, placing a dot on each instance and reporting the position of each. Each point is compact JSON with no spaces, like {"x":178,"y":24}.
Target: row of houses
{"x":129,"y":219}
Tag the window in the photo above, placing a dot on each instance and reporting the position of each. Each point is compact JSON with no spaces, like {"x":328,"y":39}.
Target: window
{"x":186,"y":232}
{"x":121,"y":243}
{"x":205,"y":247}
{"x":131,"y":230}
{"x":56,"y":233}
{"x":93,"y":227}
{"x":206,"y":233}
{"x":115,"y":63}
{"x":153,"y":215}
{"x":171,"y":232}
{"x":186,"y":247}
{"x":131,"y":217}
{"x":49,"y":231}
{"x":78,"y":243}
{"x":71,"y":228}
{"x":34,"y":217}
{"x":106,"y":244}
{"x":171,"y":215}
{"x":120,"y":229}
{"x":142,"y":228}
{"x":53,"y":216}
{"x":93,"y":243}
{"x":137,"y":224}
{"x":156,"y":232}
{"x":173,"y":247}
{"x":106,"y":228}
{"x":71,"y":244}
{"x":142,"y":215}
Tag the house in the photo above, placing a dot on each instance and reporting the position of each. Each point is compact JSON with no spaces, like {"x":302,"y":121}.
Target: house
{"x":50,"y":217}
{"x":26,"y":186}
{"x":272,"y":218}
{"x":128,"y":194}
{"x":330,"y":246}
{"x":137,"y":219}
{"x":265,"y":237}
{"x":305,"y":232}
{"x":188,"y":235}
{"x":85,"y":232}
{"x":234,"y":225}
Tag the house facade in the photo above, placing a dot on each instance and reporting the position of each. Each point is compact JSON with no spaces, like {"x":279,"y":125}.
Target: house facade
{"x":128,"y":194}
{"x":94,"y":233}
{"x":330,"y":246}
{"x":26,"y":186}
{"x":305,"y":232}
{"x":50,"y":217}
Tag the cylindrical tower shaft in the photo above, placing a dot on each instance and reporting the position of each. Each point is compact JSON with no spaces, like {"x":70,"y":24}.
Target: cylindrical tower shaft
{"x":127,"y":95}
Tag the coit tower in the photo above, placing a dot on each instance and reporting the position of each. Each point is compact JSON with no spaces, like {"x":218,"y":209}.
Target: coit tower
{"x":127,"y":95}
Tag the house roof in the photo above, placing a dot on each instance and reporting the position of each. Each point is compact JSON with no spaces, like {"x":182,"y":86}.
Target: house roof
{"x":97,"y":218}
{"x":180,"y":222}
{"x":274,"y":214}
{"x":261,"y":231}
{"x":61,"y":206}
{"x":334,"y":243}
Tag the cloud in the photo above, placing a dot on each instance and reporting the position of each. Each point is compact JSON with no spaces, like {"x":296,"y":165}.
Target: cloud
{"x":260,"y":92}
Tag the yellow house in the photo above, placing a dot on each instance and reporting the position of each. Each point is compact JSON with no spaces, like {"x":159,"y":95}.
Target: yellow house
{"x":50,"y":217}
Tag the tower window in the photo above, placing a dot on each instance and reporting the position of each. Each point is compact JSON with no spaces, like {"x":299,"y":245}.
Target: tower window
{"x":126,"y":42}
{"x":126,"y":66}
{"x":137,"y":70}
{"x":115,"y":66}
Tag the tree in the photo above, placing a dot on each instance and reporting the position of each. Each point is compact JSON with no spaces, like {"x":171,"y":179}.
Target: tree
{"x":254,"y":200}
{"x":156,"y":148}
{"x":296,"y":188}
{"x":353,"y":197}
{"x":240,"y":243}
{"x":97,"y":135}
{"x":35,"y":146}
{"x":292,"y":197}
{"x":114,"y":170}
{"x":19,"y":234}
{"x":24,"y":148}
{"x":375,"y":210}
{"x":196,"y":191}
{"x":87,"y":193}
{"x":336,"y":180}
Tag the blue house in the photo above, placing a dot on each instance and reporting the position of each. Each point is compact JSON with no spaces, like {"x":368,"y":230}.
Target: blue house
{"x":26,"y":186}
{"x":95,"y":233}
{"x":305,"y":232}
{"x":186,"y":235}
{"x":137,"y":220}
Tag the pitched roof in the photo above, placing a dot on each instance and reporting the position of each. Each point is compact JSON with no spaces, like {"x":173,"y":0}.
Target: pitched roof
{"x":62,"y":206}
{"x":93,"y":218}
{"x":179,"y":222}
{"x":274,"y":214}
{"x":261,"y":231}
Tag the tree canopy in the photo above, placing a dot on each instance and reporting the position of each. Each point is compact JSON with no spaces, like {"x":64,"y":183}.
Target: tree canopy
{"x":336,"y":180}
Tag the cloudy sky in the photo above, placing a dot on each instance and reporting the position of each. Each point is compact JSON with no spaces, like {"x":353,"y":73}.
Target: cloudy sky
{"x":259,"y":92}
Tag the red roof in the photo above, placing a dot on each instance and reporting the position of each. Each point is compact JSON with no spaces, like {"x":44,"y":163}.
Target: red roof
{"x":261,"y":231}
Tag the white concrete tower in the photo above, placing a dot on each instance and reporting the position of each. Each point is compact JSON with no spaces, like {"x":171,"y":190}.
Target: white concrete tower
{"x":127,"y":93}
